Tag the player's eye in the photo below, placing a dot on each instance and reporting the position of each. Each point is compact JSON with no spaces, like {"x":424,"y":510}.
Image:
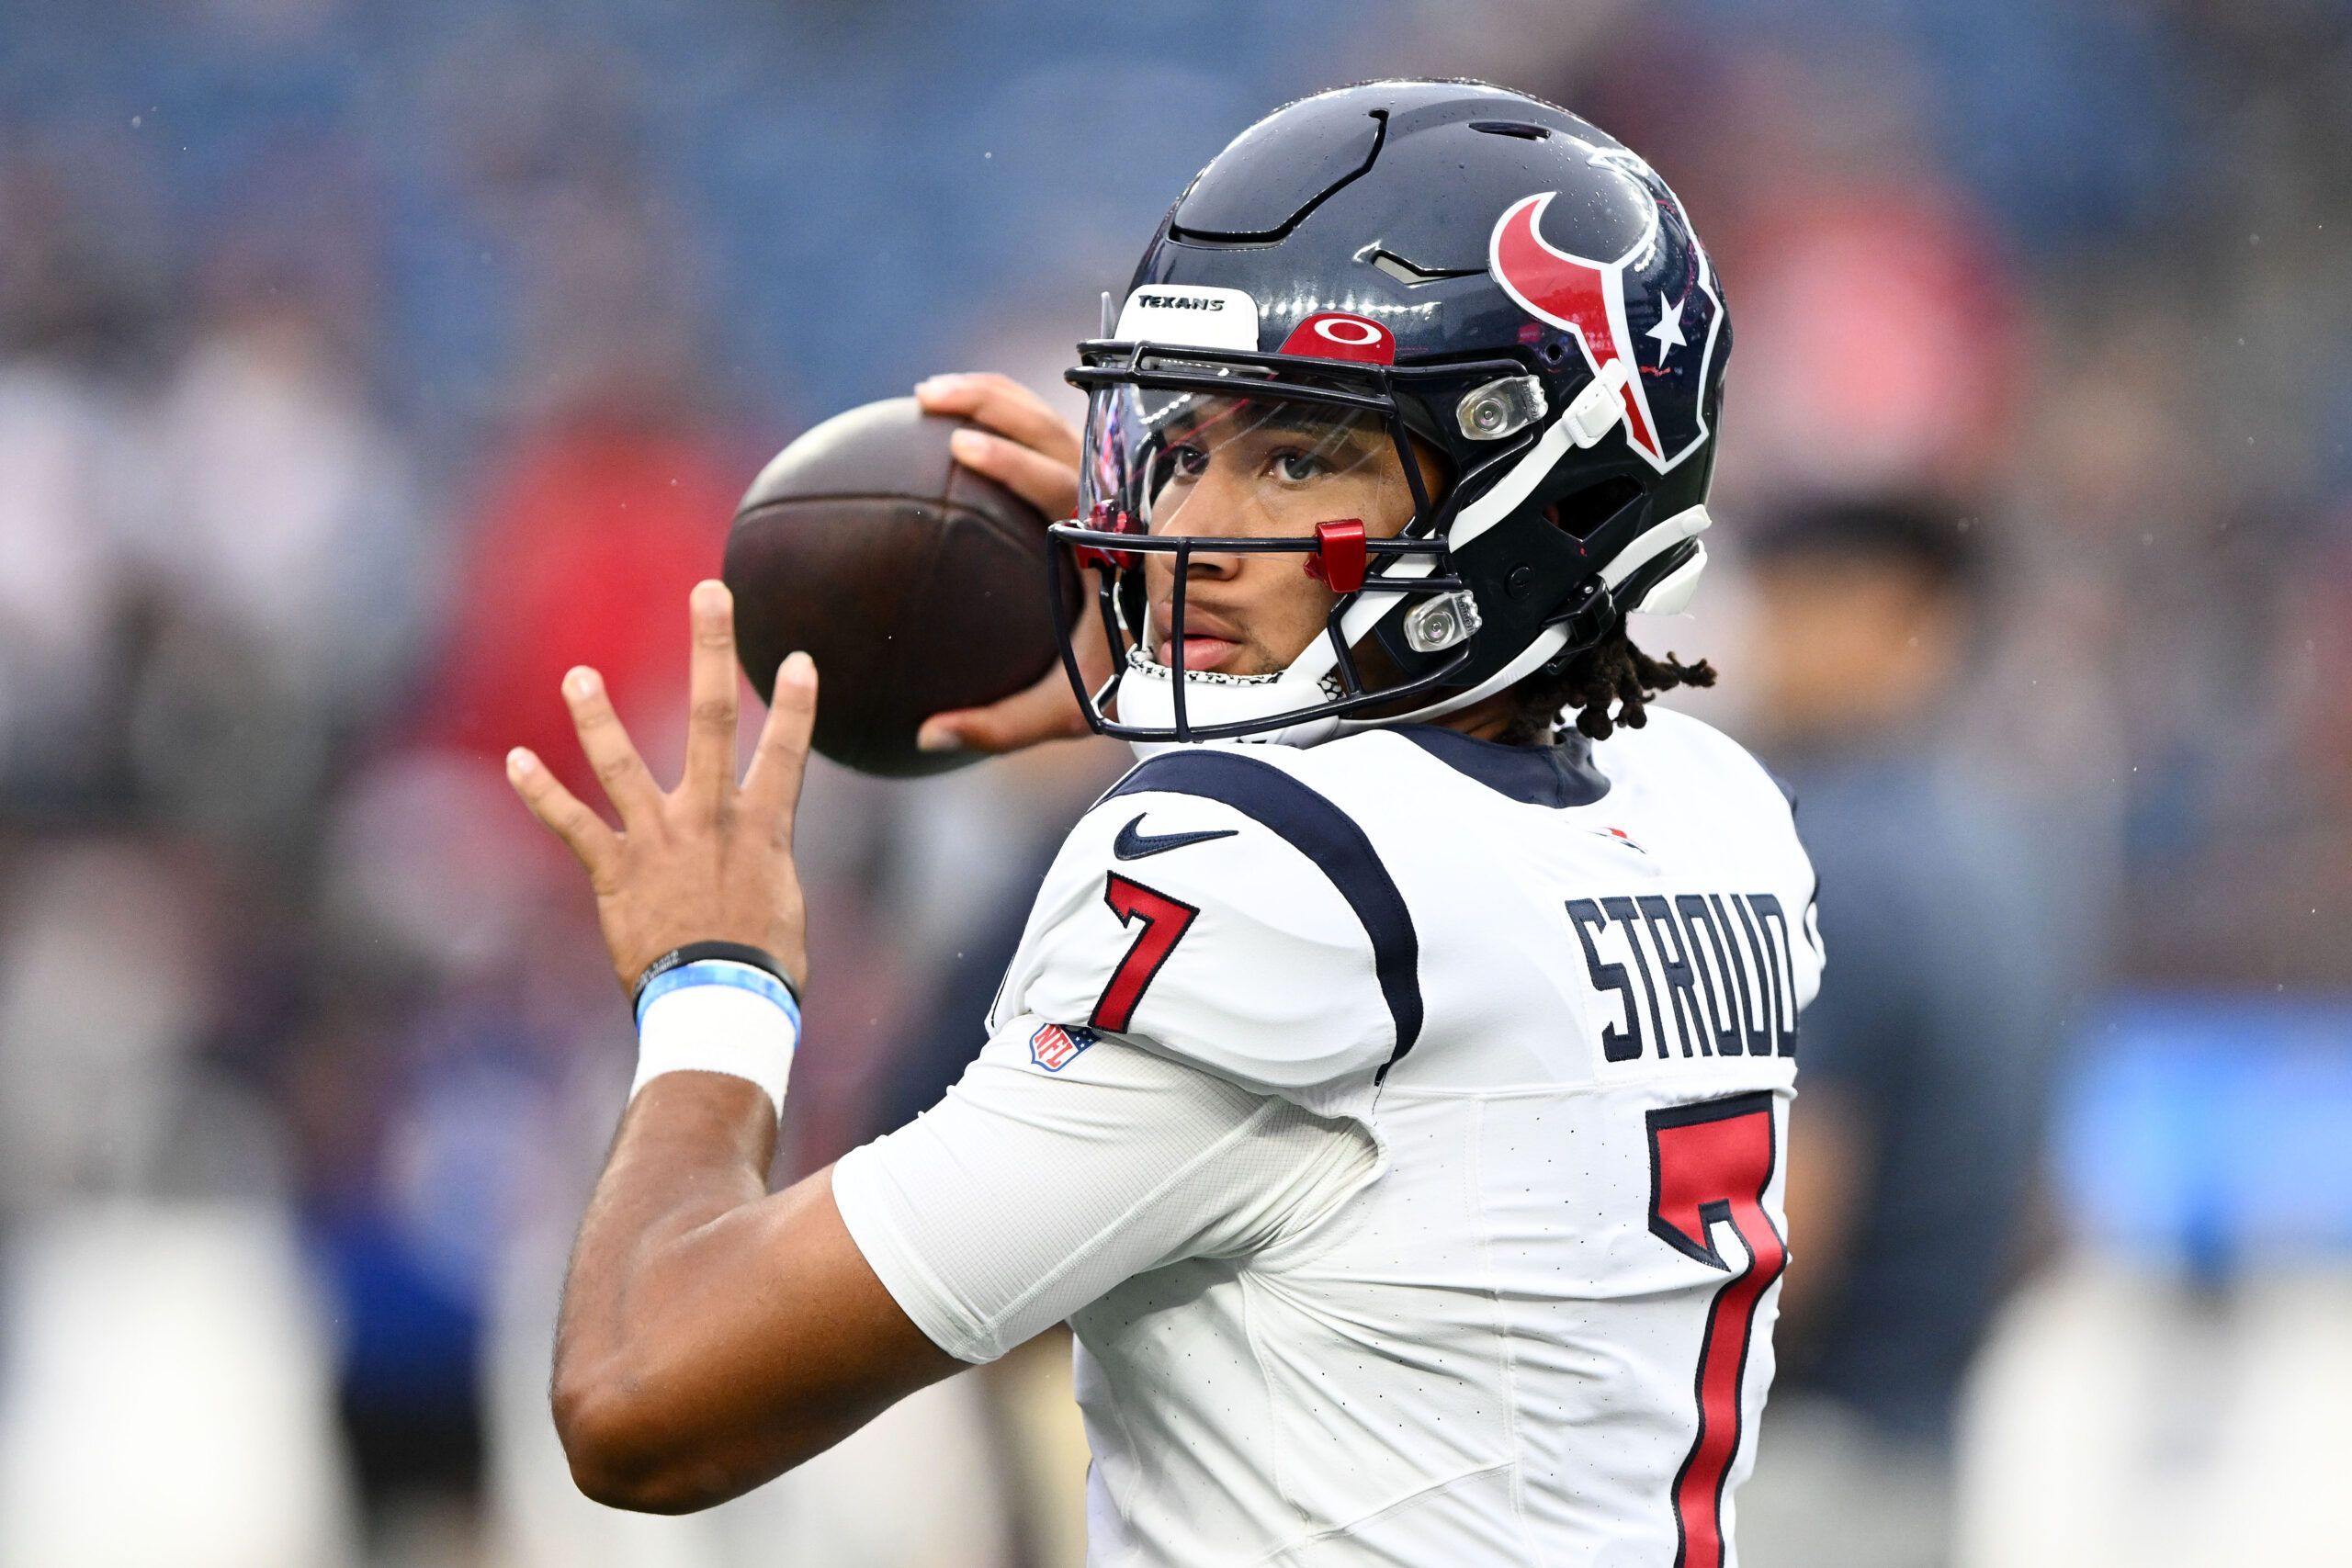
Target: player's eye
{"x":1175,"y":465}
{"x":1294,"y":467}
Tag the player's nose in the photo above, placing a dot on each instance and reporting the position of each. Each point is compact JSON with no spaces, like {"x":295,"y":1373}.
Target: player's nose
{"x":1200,"y":517}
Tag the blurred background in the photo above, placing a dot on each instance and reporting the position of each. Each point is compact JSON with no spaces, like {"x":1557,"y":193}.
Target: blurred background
{"x":364,"y":365}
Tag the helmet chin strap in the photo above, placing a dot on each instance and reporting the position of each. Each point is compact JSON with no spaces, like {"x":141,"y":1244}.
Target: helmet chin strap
{"x":1147,"y":696}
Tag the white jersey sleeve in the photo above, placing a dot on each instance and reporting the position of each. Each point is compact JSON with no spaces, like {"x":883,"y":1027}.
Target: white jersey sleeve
{"x":1216,"y":908}
{"x":1064,"y":1164}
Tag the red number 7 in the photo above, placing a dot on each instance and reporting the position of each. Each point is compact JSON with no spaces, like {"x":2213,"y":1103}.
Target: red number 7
{"x":1709,"y":1164}
{"x":1164,"y":921}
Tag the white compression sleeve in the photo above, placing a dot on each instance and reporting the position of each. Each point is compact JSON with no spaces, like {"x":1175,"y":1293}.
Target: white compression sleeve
{"x":1028,"y":1192}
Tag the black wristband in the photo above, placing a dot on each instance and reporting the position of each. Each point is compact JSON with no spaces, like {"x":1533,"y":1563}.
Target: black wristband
{"x":696,"y":952}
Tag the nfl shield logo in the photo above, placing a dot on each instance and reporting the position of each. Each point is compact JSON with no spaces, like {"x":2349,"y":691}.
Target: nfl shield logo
{"x":1053,"y":1047}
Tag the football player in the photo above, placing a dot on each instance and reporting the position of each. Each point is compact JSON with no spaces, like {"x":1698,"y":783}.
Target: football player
{"x":1389,"y":1089}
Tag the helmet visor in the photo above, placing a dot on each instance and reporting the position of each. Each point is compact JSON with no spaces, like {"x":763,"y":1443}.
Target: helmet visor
{"x":1245,"y":463}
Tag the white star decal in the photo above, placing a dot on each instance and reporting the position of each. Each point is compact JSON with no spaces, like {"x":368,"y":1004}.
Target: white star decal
{"x":1669,"y":331}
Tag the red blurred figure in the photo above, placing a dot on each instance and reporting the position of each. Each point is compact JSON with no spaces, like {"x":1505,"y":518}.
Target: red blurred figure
{"x":587,"y":540}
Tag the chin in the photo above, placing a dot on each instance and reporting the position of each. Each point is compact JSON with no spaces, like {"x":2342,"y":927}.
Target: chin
{"x":1250,"y":664}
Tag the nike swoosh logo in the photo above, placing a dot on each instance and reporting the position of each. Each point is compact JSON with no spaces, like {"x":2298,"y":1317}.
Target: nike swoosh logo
{"x":1132,"y":844}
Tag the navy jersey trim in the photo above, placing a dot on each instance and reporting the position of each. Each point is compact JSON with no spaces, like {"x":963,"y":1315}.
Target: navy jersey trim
{"x":1325,"y":835}
{"x":1556,"y":775}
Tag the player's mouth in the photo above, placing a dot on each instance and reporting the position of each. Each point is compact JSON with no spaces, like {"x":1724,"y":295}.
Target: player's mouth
{"x":1199,"y":653}
{"x":1209,"y":643}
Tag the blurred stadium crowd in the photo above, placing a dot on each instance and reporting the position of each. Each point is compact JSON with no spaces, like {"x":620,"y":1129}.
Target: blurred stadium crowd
{"x":363,"y":366}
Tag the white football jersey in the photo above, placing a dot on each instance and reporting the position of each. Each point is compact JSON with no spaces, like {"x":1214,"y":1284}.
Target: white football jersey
{"x":1559,"y":991}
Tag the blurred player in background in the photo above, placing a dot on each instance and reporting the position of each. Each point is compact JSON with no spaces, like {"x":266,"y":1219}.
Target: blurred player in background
{"x":1929,"y":1066}
{"x":1393,"y":1099}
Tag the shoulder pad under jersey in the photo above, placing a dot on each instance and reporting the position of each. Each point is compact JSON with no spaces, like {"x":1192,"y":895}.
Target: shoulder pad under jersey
{"x":1215,"y":908}
{"x":1699,"y":769}
{"x":1699,"y":758}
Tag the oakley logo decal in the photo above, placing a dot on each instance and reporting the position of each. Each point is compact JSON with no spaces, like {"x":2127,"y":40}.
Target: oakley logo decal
{"x":1335,"y":334}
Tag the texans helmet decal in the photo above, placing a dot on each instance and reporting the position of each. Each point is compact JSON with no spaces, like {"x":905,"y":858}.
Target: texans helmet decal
{"x":1655,"y":309}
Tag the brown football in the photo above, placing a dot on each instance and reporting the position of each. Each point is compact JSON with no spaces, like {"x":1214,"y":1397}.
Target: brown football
{"x":916,"y":584}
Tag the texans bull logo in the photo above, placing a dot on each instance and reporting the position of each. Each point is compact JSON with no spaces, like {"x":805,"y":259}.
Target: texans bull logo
{"x":1654,"y":308}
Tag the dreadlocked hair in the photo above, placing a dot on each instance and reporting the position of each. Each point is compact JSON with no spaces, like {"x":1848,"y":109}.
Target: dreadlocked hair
{"x":1612,"y":672}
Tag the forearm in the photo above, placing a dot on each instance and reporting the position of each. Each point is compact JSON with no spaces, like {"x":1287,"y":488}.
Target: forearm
{"x":655,"y":1265}
{"x":691,"y":1149}
{"x":714,"y":1334}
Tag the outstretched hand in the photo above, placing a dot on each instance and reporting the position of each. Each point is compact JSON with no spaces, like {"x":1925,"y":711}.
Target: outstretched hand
{"x":1032,"y":451}
{"x":711,"y":860}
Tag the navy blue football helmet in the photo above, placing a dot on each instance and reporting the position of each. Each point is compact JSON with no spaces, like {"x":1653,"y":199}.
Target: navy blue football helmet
{"x":1443,"y":265}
